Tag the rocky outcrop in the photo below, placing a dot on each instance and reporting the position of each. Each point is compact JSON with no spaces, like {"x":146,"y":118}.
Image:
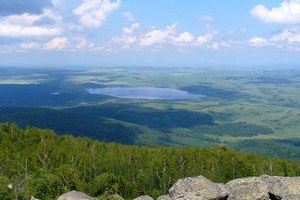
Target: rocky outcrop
{"x":200,"y":188}
{"x":145,"y":197}
{"x":248,"y":188}
{"x":252,"y":188}
{"x":164,"y":197}
{"x":74,"y":195}
{"x":265,"y":188}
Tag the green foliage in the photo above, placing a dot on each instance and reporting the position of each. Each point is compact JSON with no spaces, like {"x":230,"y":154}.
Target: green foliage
{"x":278,"y":148}
{"x":150,"y":117}
{"x":38,"y":162}
{"x":234,"y":129}
{"x":213,"y":92}
{"x":5,"y":192}
{"x":44,"y":184}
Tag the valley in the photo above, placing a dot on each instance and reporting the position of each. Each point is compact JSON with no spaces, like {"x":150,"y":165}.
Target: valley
{"x":249,"y":110}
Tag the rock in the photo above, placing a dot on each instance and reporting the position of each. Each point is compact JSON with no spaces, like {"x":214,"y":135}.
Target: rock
{"x":199,"y":186}
{"x":33,"y":198}
{"x":145,"y":197}
{"x":74,"y":195}
{"x":188,"y":197}
{"x":252,"y":188}
{"x":164,"y":197}
{"x":115,"y":197}
{"x":264,"y":188}
{"x":285,"y":188}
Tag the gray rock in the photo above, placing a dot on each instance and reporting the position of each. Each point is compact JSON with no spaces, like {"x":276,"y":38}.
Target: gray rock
{"x":164,"y":197}
{"x":264,"y":188}
{"x":74,"y":195}
{"x":33,"y":198}
{"x":188,"y":197}
{"x":198,"y":186}
{"x":145,"y":197}
{"x":283,"y":187}
{"x":252,"y":188}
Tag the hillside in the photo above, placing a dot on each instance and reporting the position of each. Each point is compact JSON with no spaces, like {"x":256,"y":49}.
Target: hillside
{"x":254,"y":111}
{"x":40,"y":163}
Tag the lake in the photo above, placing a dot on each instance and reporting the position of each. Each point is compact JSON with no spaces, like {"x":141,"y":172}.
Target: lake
{"x":144,"y":93}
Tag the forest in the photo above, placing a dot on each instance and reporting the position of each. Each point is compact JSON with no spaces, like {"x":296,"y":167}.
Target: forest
{"x":254,"y":111}
{"x":38,"y":162}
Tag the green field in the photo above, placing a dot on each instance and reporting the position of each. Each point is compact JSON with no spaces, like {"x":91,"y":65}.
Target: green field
{"x":254,"y":110}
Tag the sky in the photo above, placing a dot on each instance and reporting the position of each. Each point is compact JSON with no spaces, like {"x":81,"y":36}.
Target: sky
{"x":66,"y":33}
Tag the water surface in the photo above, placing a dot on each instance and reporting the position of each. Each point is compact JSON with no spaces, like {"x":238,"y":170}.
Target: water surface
{"x":144,"y":93}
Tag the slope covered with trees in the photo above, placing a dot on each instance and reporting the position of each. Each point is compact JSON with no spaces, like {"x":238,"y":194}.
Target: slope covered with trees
{"x":40,"y":163}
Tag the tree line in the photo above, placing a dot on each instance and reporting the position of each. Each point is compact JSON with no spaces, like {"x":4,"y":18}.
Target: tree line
{"x":38,"y":162}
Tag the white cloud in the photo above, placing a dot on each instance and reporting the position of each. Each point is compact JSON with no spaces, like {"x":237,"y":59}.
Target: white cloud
{"x":56,"y":44}
{"x":93,"y":13}
{"x":258,"y":42}
{"x":129,"y":16}
{"x":202,"y":39}
{"x":158,"y":36}
{"x":288,"y":35}
{"x":131,"y":29}
{"x":83,"y":43}
{"x":30,"y":45}
{"x":25,"y":25}
{"x":7,"y":30}
{"x":206,"y":19}
{"x":288,"y":39}
{"x":287,"y":12}
{"x":184,"y":38}
{"x":127,"y":38}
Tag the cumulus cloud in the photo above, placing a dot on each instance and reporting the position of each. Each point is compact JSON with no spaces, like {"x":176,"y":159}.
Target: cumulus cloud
{"x":30,"y":25}
{"x":288,"y":35}
{"x":93,"y":13}
{"x":56,"y":44}
{"x":129,"y":16}
{"x":287,"y":39}
{"x":13,"y":7}
{"x":128,"y":38}
{"x":158,"y":36}
{"x":82,"y":43}
{"x":208,"y":37}
{"x":258,"y":42}
{"x":288,"y":12}
{"x":163,"y":37}
{"x":184,"y":38}
{"x":131,"y":29}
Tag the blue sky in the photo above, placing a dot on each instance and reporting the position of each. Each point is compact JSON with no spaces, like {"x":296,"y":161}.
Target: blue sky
{"x":143,"y":32}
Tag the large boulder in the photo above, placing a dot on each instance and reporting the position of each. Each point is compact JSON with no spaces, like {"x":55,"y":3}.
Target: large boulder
{"x":145,"y":197}
{"x":252,"y":188}
{"x":164,"y":197}
{"x":188,"y":197}
{"x":264,"y":188}
{"x":284,"y":188}
{"x":200,"y":187}
{"x":74,"y":195}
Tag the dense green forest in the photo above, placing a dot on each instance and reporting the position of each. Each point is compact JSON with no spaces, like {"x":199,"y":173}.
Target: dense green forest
{"x":40,"y":163}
